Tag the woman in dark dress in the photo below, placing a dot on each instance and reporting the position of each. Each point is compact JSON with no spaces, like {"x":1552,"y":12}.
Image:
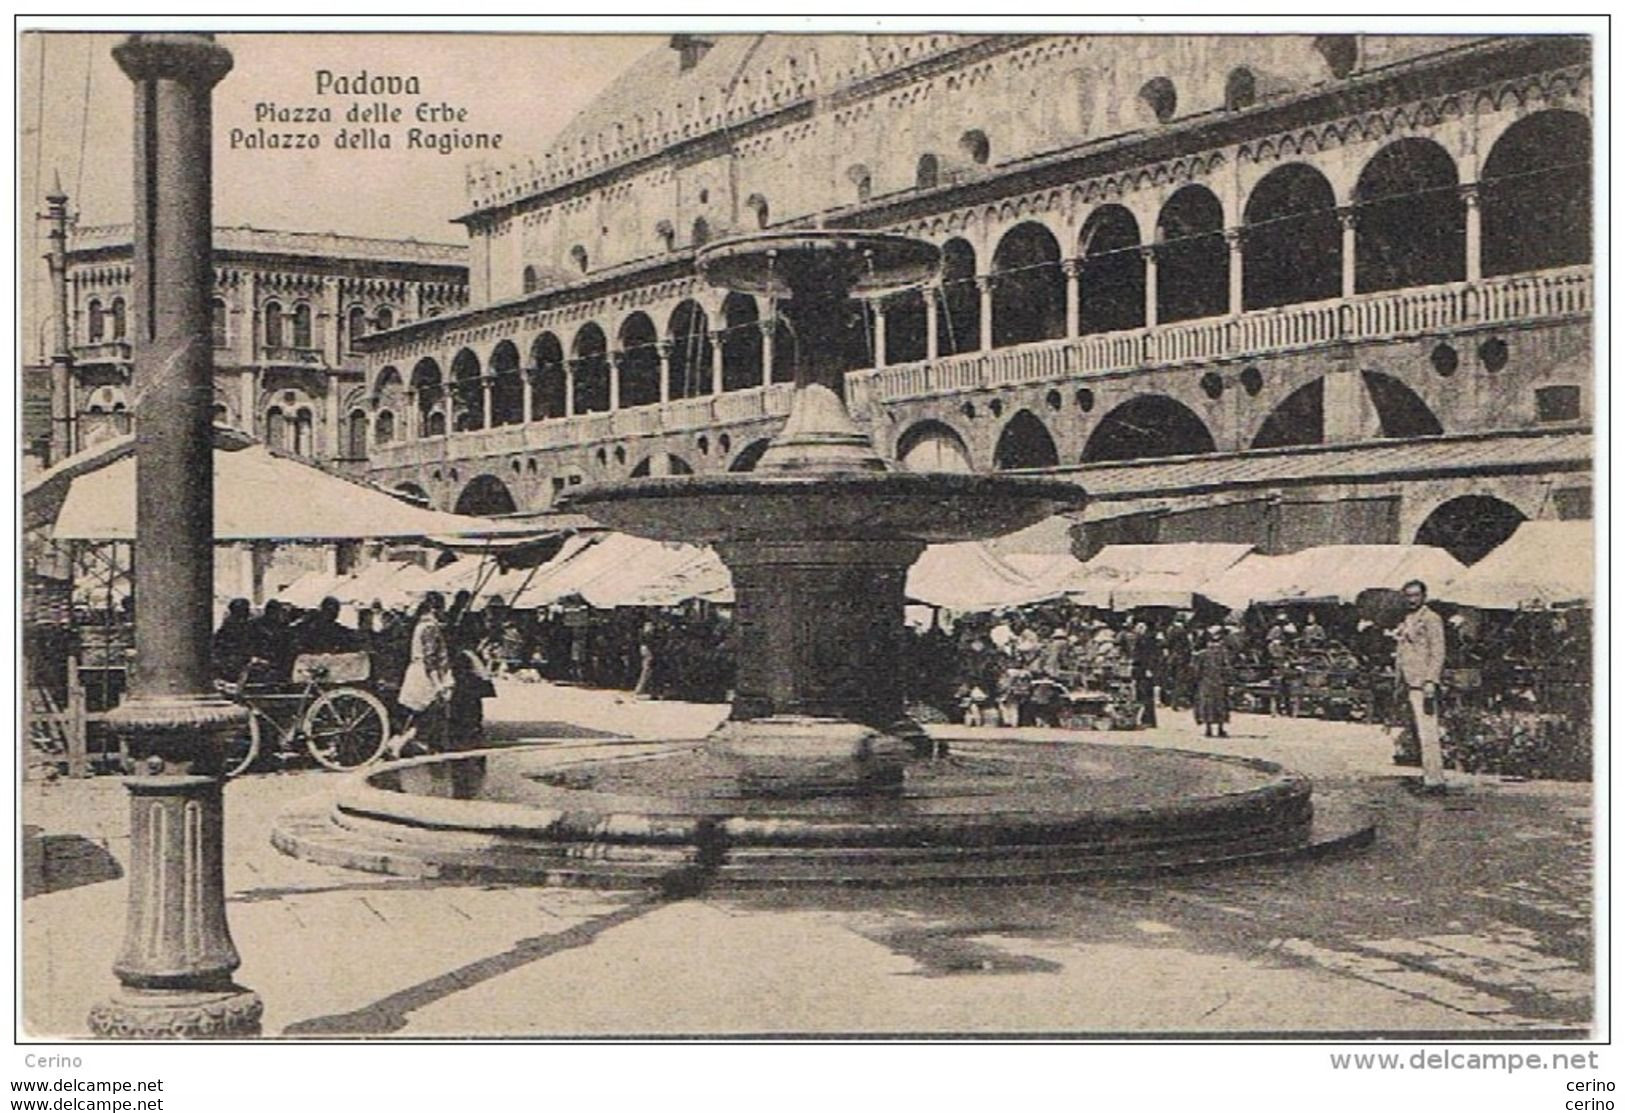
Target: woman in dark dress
{"x":1212,"y":667}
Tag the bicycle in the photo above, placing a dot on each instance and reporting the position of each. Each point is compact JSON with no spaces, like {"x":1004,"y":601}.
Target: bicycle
{"x":341,"y":725}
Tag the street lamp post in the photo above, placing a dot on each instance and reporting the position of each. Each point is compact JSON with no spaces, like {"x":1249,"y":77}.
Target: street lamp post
{"x":175,"y":967}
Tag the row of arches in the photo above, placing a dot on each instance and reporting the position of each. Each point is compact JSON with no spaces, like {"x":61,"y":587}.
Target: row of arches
{"x":648,"y":364}
{"x":1409,"y":226}
{"x":1152,"y":426}
{"x":289,"y":326}
{"x":104,"y":322}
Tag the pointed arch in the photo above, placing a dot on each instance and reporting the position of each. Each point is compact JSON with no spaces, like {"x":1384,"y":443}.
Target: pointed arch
{"x":1025,"y":443}
{"x":1146,"y":427}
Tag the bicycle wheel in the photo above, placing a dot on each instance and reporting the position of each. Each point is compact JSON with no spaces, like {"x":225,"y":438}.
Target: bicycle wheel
{"x":242,"y":746}
{"x":346,"y":728}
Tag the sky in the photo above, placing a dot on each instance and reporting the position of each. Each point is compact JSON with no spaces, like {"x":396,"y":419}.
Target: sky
{"x":75,"y":118}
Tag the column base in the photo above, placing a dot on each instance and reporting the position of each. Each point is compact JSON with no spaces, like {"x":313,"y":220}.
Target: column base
{"x":178,"y":1014}
{"x":803,"y":756}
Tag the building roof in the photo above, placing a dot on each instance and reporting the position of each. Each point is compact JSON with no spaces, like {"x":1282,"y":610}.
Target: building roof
{"x":269,"y":241}
{"x":1542,"y":450}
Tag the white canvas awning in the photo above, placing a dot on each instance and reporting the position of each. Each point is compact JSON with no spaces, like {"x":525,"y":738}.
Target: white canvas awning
{"x":1543,"y":564}
{"x":259,"y":496}
{"x":1123,"y":577}
{"x":1329,"y":573}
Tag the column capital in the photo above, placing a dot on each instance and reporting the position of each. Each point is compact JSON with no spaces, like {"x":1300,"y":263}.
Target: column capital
{"x":1072,"y":267}
{"x":1148,"y":252}
{"x":986,"y":282}
{"x":192,"y":57}
{"x":767,"y":326}
{"x":1348,"y":216}
{"x":665,"y":348}
{"x":1469,"y":193}
{"x":1235,"y":236}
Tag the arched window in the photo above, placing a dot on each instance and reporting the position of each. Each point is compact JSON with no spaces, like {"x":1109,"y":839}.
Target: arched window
{"x":741,"y":343}
{"x":578,"y":256}
{"x":858,"y":175}
{"x":507,"y":386}
{"x":1029,"y":292}
{"x":1240,"y":89}
{"x":589,"y":354}
{"x":1193,"y":261}
{"x":688,"y":331}
{"x":302,"y":334}
{"x":925,"y":172}
{"x":667,"y":234}
{"x":547,"y":369}
{"x":385,"y":318}
{"x":467,"y":392}
{"x":118,"y":318}
{"x":1411,"y":225}
{"x":217,"y":322}
{"x":1536,"y":194}
{"x":1025,"y":443}
{"x":975,"y":146}
{"x":1341,"y":52}
{"x":1111,"y":277}
{"x":485,"y":495}
{"x":383,"y":427}
{"x":757,"y":204}
{"x":430,"y":389}
{"x":276,"y":429}
{"x":1160,"y":98}
{"x":530,"y":280}
{"x":1293,"y":248}
{"x":701,"y":233}
{"x":1148,"y":426}
{"x":273,"y":324}
{"x":356,"y":448}
{"x":357,"y":325}
{"x":639,"y":361}
{"x":96,"y":322}
{"x":959,"y":312}
{"x":304,"y":433}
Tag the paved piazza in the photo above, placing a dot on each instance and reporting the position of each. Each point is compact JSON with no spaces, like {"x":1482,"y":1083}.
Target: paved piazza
{"x":1470,"y":915}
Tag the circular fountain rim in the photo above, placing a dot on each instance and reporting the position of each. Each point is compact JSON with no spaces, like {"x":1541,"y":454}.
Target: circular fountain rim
{"x":903,"y":260}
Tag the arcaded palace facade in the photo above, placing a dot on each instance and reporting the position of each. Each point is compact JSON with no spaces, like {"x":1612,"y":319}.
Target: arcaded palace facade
{"x":1281,"y":289}
{"x":289,"y":309}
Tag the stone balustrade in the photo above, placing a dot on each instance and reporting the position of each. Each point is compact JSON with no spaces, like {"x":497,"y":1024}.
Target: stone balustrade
{"x":1381,"y":316}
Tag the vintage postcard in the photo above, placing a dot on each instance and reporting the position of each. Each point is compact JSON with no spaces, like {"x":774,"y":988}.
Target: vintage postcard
{"x":804,"y":532}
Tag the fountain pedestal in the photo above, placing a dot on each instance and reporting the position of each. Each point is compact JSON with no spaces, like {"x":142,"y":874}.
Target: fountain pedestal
{"x":821,"y":537}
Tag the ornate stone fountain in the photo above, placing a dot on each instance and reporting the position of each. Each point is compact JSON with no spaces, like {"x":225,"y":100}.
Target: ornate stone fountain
{"x":817,"y":776}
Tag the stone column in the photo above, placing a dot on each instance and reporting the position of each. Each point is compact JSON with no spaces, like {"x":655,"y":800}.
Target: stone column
{"x":932,"y":295}
{"x":716,"y":362}
{"x":664,"y":347}
{"x":529,"y":376}
{"x":176,"y":963}
{"x":877,"y":310}
{"x":1148,"y":252}
{"x":485,"y":400}
{"x":1349,"y":218}
{"x":331,"y":347}
{"x":570,"y":388}
{"x":1475,"y":232}
{"x":61,"y":444}
{"x":767,"y":330}
{"x":984,"y":289}
{"x":615,"y":361}
{"x":1072,"y":268}
{"x":334,"y":417}
{"x":248,"y":329}
{"x":248,"y":394}
{"x":411,"y":426}
{"x":1235,"y":239}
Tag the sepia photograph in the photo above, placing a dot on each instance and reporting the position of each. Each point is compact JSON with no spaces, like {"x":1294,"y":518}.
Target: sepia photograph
{"x":810,"y":531}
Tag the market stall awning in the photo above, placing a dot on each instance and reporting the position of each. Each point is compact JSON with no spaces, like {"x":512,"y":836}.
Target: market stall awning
{"x":674,"y":575}
{"x":1543,"y":564}
{"x":1329,"y":574}
{"x":969,"y":577}
{"x":1123,"y":577}
{"x":260,"y":495}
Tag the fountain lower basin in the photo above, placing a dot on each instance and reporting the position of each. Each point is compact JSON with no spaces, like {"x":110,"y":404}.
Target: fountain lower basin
{"x":629,"y":815}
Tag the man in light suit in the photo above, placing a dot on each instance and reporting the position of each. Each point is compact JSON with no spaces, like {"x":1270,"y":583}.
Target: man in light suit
{"x":1419,"y":660}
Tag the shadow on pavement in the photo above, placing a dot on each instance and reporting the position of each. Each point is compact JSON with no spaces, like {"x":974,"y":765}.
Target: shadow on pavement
{"x":52,"y":863}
